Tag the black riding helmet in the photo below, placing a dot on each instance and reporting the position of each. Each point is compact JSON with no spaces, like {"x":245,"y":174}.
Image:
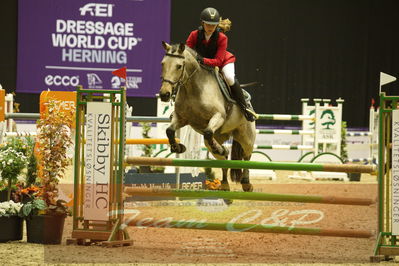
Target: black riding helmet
{"x":210,"y":16}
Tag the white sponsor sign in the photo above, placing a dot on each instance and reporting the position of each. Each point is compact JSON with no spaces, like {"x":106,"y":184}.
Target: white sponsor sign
{"x":97,"y":161}
{"x":395,"y":173}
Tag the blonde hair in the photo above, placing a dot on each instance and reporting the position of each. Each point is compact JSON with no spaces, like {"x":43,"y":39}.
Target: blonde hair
{"x":225,"y":24}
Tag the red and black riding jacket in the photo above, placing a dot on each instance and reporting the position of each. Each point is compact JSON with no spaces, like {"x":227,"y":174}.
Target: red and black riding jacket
{"x":214,"y":50}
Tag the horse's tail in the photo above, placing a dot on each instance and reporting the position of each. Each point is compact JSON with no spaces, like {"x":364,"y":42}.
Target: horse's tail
{"x":237,"y":153}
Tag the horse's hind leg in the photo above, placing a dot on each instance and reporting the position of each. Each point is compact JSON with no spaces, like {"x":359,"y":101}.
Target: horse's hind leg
{"x":220,"y":139}
{"x":225,"y":182}
{"x":241,"y":175}
{"x":246,"y":185}
{"x":246,"y":141}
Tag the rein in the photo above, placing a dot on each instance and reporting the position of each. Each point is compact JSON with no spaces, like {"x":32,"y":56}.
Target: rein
{"x":176,"y":84}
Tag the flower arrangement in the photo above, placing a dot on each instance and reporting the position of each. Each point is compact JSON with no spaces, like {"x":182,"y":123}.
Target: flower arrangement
{"x":33,"y":207}
{"x":213,"y":184}
{"x":25,"y":194}
{"x":12,"y":162}
{"x":26,"y":146}
{"x":10,"y":208}
{"x":16,"y":143}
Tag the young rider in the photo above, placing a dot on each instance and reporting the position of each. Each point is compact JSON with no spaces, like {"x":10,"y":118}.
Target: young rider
{"x":210,"y":42}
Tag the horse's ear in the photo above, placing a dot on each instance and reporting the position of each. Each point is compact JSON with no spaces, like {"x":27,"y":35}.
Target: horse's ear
{"x":182,"y":46}
{"x":166,"y":46}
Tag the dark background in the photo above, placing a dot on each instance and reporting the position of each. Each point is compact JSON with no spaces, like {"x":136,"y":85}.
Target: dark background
{"x":294,"y":48}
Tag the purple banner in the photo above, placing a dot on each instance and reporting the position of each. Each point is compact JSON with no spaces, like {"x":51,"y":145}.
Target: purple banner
{"x":62,"y":44}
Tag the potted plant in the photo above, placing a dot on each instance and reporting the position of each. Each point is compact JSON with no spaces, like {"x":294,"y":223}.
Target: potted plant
{"x":44,"y":223}
{"x":12,"y":162}
{"x":10,"y":221}
{"x":46,"y":218}
{"x":31,"y":173}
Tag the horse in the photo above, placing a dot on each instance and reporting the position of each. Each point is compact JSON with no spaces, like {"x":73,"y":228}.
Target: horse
{"x":200,"y":103}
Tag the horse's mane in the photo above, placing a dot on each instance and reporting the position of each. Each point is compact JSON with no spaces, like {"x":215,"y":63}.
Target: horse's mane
{"x":175,"y":48}
{"x":191,"y":51}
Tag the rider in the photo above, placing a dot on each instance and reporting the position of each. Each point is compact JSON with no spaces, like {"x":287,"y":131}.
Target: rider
{"x":210,"y":42}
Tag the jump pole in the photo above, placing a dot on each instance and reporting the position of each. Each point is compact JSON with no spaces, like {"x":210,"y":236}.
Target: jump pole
{"x":347,"y":168}
{"x":237,"y":195}
{"x":258,"y":228}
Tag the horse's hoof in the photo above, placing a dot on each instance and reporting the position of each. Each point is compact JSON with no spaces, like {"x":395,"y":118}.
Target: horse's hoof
{"x":247,"y":187}
{"x":225,"y":152}
{"x":225,"y":187}
{"x":178,"y":148}
{"x":228,"y":201}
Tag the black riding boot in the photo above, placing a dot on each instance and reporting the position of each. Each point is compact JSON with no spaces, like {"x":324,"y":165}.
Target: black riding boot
{"x":238,"y":95}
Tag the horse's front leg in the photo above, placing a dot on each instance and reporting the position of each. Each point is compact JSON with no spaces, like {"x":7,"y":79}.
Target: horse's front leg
{"x":214,"y":124}
{"x":171,"y":133}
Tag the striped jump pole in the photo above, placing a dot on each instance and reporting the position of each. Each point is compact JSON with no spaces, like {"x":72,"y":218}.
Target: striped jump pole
{"x":19,"y":134}
{"x":277,"y":147}
{"x":285,"y":117}
{"x":258,"y":228}
{"x":359,"y":134}
{"x":360,"y":160}
{"x":238,"y":195}
{"x":347,"y":168}
{"x":35,"y":116}
{"x":284,"y":132}
{"x":284,"y":147}
{"x":149,"y":141}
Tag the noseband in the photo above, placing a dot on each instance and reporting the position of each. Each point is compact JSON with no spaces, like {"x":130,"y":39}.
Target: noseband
{"x":179,"y":82}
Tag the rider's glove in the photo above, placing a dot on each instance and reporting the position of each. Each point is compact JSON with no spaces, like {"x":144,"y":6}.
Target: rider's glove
{"x":200,"y":59}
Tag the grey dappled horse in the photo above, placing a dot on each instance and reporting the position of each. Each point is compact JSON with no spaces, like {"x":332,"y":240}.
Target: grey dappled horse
{"x":200,"y":104}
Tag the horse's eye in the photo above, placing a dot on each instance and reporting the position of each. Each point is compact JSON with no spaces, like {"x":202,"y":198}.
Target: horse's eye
{"x":178,"y":66}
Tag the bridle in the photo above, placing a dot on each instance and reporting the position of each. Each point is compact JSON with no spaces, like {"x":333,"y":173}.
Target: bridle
{"x":179,"y":82}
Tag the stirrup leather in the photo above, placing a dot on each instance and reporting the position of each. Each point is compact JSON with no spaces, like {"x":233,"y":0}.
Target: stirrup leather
{"x":252,"y":113}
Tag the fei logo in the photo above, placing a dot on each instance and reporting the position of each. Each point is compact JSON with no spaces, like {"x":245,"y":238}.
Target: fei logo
{"x":94,"y":81}
{"x":97,"y":10}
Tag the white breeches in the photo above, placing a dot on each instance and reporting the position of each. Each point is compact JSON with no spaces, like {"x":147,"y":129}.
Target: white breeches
{"x":229,"y":74}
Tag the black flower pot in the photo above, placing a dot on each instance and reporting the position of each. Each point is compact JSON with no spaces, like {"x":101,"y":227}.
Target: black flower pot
{"x":3,"y":195}
{"x":11,"y":228}
{"x":45,"y":229}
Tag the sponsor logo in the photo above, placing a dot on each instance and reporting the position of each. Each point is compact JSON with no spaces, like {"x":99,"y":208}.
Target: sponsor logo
{"x":328,"y":119}
{"x":132,"y":82}
{"x":94,"y":81}
{"x":61,"y":80}
{"x":97,"y":10}
{"x":115,"y":82}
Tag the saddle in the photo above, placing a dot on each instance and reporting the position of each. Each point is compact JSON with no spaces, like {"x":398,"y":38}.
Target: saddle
{"x":225,"y":88}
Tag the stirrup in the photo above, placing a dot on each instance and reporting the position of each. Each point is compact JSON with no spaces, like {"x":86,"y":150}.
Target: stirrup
{"x":255,"y":115}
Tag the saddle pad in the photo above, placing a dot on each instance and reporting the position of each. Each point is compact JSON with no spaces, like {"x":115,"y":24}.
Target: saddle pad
{"x":225,"y":88}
